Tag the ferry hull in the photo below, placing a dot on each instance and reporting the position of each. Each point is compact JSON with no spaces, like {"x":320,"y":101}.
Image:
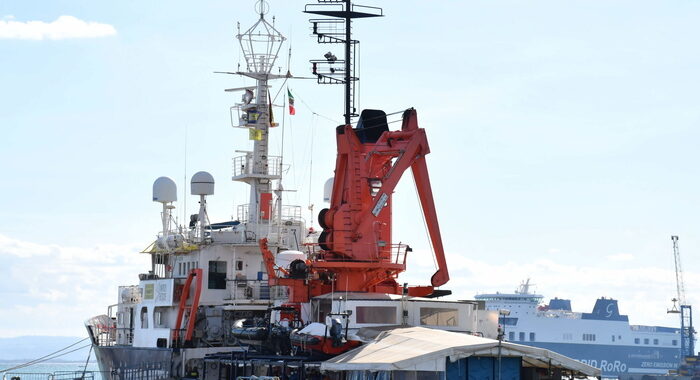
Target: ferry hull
{"x":617,"y":360}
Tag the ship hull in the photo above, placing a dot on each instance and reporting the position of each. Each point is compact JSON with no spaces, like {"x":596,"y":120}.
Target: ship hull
{"x":120,"y":360}
{"x":615,"y":360}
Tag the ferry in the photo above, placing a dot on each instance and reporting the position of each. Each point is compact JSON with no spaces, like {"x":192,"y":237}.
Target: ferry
{"x":603,"y":338}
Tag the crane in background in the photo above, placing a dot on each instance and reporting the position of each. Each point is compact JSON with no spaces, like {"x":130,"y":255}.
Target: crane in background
{"x":685,"y":310}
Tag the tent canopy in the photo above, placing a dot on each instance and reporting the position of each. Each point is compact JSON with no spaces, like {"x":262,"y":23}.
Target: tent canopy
{"x":424,"y":349}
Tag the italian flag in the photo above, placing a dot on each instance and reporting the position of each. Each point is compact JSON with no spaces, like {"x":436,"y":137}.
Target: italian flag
{"x":292,"y":111}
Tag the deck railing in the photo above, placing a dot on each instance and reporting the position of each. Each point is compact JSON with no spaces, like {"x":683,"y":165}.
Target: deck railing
{"x":244,"y":166}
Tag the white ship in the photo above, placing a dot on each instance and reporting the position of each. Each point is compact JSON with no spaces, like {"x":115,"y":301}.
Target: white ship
{"x":603,"y":338}
{"x":264,"y":283}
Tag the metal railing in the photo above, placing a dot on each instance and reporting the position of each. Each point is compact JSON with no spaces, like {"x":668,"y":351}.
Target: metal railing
{"x":58,"y":375}
{"x":244,"y":289}
{"x":244,"y":165}
{"x":288,"y":212}
{"x":395,"y":253}
{"x":146,"y":371}
{"x":102,"y":330}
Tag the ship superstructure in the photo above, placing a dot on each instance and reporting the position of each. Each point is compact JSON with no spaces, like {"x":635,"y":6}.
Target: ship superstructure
{"x":263,"y":283}
{"x":603,"y":338}
{"x":206,"y":277}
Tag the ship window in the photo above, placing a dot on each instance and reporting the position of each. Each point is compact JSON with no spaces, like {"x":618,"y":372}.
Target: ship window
{"x":438,"y":317}
{"x":239,"y":264}
{"x":532,"y":337}
{"x":674,"y":342}
{"x":589,"y":337}
{"x":521,"y":337}
{"x":511,"y":336}
{"x":160,"y":317}
{"x":636,"y":340}
{"x":613,"y":338}
{"x":646,"y":340}
{"x":217,"y":275}
{"x":375,"y":314}
{"x":144,"y":317}
{"x":568,"y":336}
{"x":656,"y":342}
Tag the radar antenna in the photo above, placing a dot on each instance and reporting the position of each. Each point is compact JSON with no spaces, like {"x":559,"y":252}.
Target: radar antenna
{"x":338,"y":30}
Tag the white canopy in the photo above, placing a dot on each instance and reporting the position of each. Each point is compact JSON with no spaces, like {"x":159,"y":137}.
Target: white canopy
{"x":424,"y":349}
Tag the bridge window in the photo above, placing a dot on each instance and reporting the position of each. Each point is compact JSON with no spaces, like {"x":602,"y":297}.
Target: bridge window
{"x":521,"y":336}
{"x":646,"y":340}
{"x":217,"y":275}
{"x":511,"y":336}
{"x":636,"y":340}
{"x":532,"y":337}
{"x":375,"y":314}
{"x":656,"y":342}
{"x":438,"y":317}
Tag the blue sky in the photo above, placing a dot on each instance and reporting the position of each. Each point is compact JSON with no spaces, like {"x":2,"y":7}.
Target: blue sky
{"x":563,"y":134}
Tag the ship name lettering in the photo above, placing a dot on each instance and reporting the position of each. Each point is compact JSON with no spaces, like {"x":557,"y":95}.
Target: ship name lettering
{"x":616,"y":366}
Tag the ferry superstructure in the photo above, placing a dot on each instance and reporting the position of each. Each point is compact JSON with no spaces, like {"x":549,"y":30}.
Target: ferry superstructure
{"x":603,"y":338}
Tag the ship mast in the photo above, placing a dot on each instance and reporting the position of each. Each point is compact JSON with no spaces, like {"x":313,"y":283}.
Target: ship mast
{"x":260,"y":45}
{"x":338,"y":30}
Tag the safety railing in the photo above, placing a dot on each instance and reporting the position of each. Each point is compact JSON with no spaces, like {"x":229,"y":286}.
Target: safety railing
{"x":125,"y":336}
{"x":102,"y":330}
{"x":146,"y":371}
{"x":58,"y":375}
{"x":392,"y":253}
{"x":244,"y":289}
{"x":244,"y":165}
{"x":288,"y":212}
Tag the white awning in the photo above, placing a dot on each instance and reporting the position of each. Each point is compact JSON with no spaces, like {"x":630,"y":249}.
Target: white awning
{"x":424,"y":349}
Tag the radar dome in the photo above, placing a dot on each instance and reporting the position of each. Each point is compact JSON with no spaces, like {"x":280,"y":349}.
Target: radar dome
{"x":164,"y":190}
{"x":328,"y":189}
{"x":202,"y":184}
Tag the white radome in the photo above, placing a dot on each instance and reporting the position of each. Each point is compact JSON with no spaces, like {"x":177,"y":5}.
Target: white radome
{"x":328,"y":189}
{"x":164,"y":190}
{"x":202,"y":184}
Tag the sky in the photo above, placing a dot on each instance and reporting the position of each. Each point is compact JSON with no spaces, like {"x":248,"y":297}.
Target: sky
{"x":563,"y":140}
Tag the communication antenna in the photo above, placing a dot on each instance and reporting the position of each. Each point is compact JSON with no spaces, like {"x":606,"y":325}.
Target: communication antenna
{"x":338,"y":30}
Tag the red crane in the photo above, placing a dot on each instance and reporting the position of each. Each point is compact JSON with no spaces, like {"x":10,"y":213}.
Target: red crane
{"x":356,"y":251}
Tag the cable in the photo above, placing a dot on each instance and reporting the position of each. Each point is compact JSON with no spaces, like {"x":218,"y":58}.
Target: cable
{"x":37,"y":361}
{"x":86,"y":362}
{"x":314,"y":112}
{"x":49,"y":356}
{"x":425,"y":224}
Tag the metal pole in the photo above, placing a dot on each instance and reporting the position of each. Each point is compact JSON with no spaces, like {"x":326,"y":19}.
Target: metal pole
{"x":500,"y":340}
{"x":348,"y":20}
